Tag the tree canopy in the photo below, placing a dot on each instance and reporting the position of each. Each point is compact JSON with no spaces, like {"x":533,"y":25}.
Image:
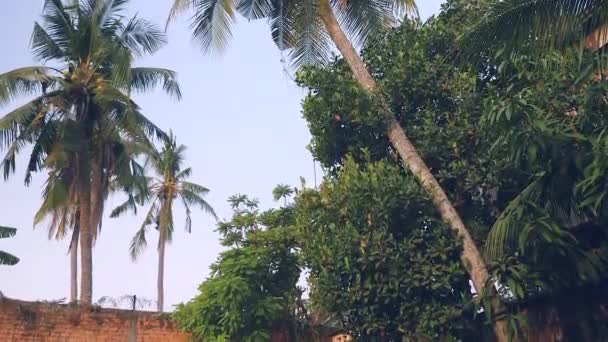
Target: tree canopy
{"x":252,"y":288}
{"x":380,"y":259}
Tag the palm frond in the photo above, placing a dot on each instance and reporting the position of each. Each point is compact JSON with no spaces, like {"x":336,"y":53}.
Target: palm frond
{"x":544,"y":211}
{"x":128,"y":118}
{"x":194,"y":198}
{"x":134,"y":184}
{"x":405,"y":7}
{"x":106,"y":12}
{"x":194,"y":188}
{"x":149,"y":128}
{"x":62,"y":220}
{"x":184,"y":174}
{"x":142,"y":37}
{"x":188,"y":216}
{"x":59,"y":24}
{"x":23,"y":82}
{"x":130,"y":204}
{"x":123,"y":208}
{"x":8,"y":259}
{"x":13,"y":124}
{"x":55,"y":195}
{"x":7,"y":232}
{"x":506,"y":230}
{"x":311,"y":42}
{"x":138,"y":243}
{"x":60,"y":201}
{"x":548,"y":24}
{"x":212,"y":22}
{"x":281,"y":24}
{"x":46,"y":138}
{"x":9,"y":162}
{"x":43,"y":45}
{"x":254,"y":9}
{"x":359,"y":18}
{"x":144,"y":79}
{"x":121,"y":60}
{"x":177,"y":9}
{"x":86,"y":8}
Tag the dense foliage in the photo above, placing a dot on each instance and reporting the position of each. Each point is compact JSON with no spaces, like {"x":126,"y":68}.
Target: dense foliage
{"x":552,"y":124}
{"x":518,"y":144}
{"x":252,"y":287}
{"x":380,"y":259}
{"x":435,"y":99}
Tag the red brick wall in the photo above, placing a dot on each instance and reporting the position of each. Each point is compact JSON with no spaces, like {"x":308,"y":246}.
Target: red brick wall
{"x":26,"y":321}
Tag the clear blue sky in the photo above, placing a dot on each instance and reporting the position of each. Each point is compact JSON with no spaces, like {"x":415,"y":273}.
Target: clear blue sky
{"x":240,"y":118}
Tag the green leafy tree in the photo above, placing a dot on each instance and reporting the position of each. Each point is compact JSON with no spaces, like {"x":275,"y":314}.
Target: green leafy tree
{"x":552,"y":125}
{"x":306,"y":29}
{"x":252,"y":288}
{"x":437,"y":103}
{"x":7,"y":258}
{"x":82,"y":97}
{"x":162,"y":193}
{"x":380,"y":259}
{"x":517,"y":144}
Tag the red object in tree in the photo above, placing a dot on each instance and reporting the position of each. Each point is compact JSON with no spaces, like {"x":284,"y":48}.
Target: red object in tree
{"x":338,"y":117}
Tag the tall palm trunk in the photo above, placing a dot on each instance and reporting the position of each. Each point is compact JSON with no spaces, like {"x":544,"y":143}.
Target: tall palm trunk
{"x":86,"y":252}
{"x":471,"y":258}
{"x":74,"y":262}
{"x":97,"y":196}
{"x":161,"y":272}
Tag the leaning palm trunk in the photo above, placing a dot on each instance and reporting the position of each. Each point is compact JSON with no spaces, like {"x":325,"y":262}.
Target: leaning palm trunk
{"x":74,"y":263}
{"x":471,"y":258}
{"x":161,"y":273}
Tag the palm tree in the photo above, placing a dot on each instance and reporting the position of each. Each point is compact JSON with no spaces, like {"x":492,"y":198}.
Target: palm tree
{"x":306,"y":28}
{"x":60,"y":201}
{"x":163,"y":192}
{"x":282,"y":191}
{"x":6,"y":258}
{"x":544,"y":23}
{"x":84,"y":94}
